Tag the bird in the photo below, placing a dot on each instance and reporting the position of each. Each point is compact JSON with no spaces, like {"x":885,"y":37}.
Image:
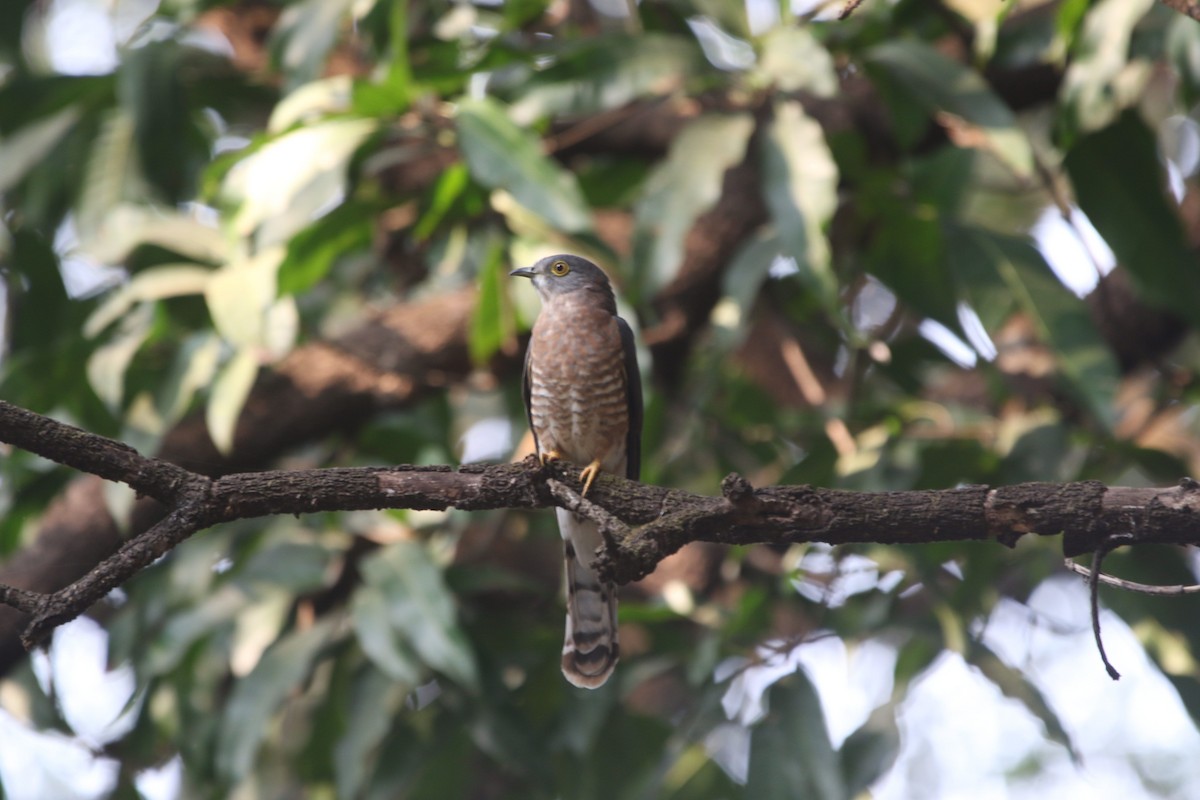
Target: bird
{"x":583,"y":398}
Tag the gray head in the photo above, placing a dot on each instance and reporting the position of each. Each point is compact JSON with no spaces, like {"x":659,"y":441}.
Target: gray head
{"x":564,"y":274}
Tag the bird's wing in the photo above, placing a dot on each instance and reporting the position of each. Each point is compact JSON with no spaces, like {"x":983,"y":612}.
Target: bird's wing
{"x":633,"y":397}
{"x":525,"y":398}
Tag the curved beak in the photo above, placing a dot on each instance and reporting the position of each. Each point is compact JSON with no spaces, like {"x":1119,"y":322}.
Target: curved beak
{"x":523,"y":272}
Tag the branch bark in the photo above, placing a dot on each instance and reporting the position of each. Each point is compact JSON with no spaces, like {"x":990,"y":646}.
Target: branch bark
{"x":642,"y":524}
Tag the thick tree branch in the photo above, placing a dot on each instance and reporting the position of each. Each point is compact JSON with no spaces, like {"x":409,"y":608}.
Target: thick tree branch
{"x":87,"y":452}
{"x":642,"y":524}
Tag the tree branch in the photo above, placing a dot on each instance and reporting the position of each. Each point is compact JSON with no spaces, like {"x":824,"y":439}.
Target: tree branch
{"x":87,"y":452}
{"x":392,"y":359}
{"x":1132,"y":586}
{"x":642,"y":524}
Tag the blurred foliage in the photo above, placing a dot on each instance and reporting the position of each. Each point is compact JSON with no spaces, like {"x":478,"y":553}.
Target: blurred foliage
{"x":244,"y":177}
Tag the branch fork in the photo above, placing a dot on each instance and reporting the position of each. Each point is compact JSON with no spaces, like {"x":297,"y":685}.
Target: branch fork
{"x":641,"y":524}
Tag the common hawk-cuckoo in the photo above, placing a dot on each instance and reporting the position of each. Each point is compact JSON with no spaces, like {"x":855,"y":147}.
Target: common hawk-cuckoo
{"x":583,"y":396}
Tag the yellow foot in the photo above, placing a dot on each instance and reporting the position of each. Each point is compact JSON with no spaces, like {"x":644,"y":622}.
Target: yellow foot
{"x":588,"y":474}
{"x":548,"y":456}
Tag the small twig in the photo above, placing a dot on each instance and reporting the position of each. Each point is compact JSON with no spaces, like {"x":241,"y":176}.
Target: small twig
{"x":848,"y":9}
{"x":611,"y":528}
{"x":21,"y":599}
{"x":591,"y":126}
{"x":778,"y":647}
{"x":135,"y":555}
{"x":1094,"y":586}
{"x":1133,"y":586}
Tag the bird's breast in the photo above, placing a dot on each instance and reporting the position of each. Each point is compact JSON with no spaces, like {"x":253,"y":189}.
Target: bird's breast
{"x":578,"y":395}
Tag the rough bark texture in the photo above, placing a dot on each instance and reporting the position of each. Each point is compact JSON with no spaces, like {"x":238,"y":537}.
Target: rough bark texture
{"x":642,"y":524}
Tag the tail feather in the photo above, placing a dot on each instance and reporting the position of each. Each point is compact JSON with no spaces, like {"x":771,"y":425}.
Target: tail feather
{"x":590,"y":647}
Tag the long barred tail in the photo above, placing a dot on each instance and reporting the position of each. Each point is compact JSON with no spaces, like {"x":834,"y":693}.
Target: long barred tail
{"x":590,"y":648}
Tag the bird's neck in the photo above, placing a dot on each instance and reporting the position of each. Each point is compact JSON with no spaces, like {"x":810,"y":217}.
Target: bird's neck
{"x":591,"y":297}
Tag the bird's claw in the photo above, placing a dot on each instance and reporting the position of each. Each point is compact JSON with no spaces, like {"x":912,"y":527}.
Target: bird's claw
{"x":547,"y":456}
{"x":587,"y":475}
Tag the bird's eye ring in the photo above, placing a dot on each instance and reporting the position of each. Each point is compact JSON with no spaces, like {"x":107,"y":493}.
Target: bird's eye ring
{"x":560,"y":268}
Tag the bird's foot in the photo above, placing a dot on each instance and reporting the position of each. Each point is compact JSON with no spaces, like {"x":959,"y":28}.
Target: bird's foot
{"x":587,"y":475}
{"x":547,"y":456}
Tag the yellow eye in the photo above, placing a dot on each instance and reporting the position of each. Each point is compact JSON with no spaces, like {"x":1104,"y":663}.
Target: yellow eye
{"x":560,"y":268}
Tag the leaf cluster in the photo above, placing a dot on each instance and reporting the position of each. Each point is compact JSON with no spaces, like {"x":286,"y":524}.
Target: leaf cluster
{"x":835,"y":238}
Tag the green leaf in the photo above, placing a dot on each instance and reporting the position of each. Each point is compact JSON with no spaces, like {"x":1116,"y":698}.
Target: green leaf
{"x":156,"y":283}
{"x":437,"y":771}
{"x":288,"y":181}
{"x":801,"y":181}
{"x":129,"y":226}
{"x":488,"y":328}
{"x":449,"y":188}
{"x":1119,"y":185}
{"x":740,"y":287}
{"x":1102,"y":79}
{"x":605,"y":73}
{"x":501,"y":155}
{"x":311,"y":253}
{"x":866,"y":755}
{"x":627,"y":761}
{"x":1183,"y":49}
{"x":110,"y":175}
{"x":108,"y":363}
{"x":27,"y":147}
{"x":790,"y":752}
{"x":945,"y":178}
{"x":256,"y":697}
{"x":499,"y":730}
{"x":1064,"y":322}
{"x":908,"y":254}
{"x":794,"y":60}
{"x":295,"y":566}
{"x":195,"y":365}
{"x":399,"y":76}
{"x":380,"y":640}
{"x":942,"y":85}
{"x":681,"y":188}
{"x":152,"y":87}
{"x":167,"y":647}
{"x":240,"y":297}
{"x":306,"y":32}
{"x":312,"y":101}
{"x":1066,"y":21}
{"x":375,"y":699}
{"x":1039,"y":454}
{"x":421,"y":610}
{"x":229,"y":394}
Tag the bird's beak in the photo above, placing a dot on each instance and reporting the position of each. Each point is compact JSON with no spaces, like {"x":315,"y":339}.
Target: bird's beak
{"x":523,"y":272}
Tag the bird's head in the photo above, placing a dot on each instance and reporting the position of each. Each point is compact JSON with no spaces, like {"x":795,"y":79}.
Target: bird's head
{"x":564,"y":274}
